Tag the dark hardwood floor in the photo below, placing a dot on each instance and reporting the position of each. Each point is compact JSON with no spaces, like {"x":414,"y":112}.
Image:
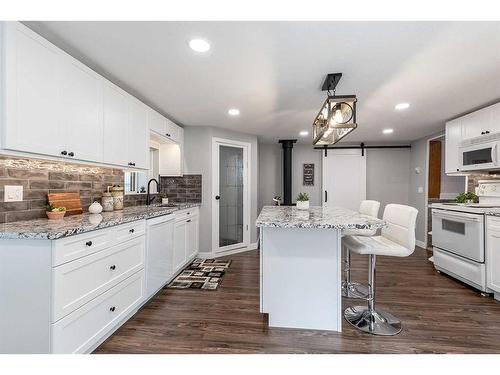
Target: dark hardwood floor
{"x":439,"y":315}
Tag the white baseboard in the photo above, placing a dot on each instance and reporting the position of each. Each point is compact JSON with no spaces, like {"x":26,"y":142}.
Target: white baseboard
{"x":421,"y":244}
{"x":211,"y":255}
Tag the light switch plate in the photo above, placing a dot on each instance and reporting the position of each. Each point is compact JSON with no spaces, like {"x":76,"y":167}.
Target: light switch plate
{"x":13,"y":193}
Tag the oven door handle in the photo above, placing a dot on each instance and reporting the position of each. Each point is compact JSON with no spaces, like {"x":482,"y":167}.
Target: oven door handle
{"x":461,"y":216}
{"x":494,"y":154}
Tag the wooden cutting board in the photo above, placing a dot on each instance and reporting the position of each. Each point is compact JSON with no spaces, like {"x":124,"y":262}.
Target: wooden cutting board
{"x":71,"y":201}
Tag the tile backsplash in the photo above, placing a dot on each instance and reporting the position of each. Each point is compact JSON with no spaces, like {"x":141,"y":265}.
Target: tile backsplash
{"x":40,"y":177}
{"x":473,"y":180}
{"x":185,"y":189}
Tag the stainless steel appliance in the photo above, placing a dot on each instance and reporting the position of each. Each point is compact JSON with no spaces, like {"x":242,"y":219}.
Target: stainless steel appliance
{"x":458,"y":235}
{"x":480,"y":153}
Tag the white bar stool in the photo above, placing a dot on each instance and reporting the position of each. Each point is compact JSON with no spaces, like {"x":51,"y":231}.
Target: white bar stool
{"x":351,"y":289}
{"x":398,"y":239}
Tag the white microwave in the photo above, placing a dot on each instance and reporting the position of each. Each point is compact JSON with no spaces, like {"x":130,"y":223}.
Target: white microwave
{"x":480,"y":153}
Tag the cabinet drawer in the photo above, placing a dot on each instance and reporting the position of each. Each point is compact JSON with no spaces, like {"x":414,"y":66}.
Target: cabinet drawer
{"x":186,"y":214}
{"x":128,"y":231}
{"x":79,"y":331}
{"x":74,"y":247}
{"x":76,"y":283}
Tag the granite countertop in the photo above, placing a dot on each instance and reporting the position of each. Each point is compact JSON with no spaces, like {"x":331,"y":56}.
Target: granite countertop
{"x":68,"y":226}
{"x":316,"y":217}
{"x":493,"y":212}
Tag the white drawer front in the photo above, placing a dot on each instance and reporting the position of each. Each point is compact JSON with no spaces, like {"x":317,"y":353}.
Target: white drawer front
{"x":74,"y":247}
{"x":126,"y":232}
{"x":468,"y":271}
{"x":79,"y":331}
{"x":78,"y":282}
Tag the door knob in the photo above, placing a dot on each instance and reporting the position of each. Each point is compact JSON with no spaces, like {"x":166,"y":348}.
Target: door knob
{"x":217,"y":197}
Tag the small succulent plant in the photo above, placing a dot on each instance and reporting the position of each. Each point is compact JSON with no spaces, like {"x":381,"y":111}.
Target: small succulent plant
{"x":302,"y":197}
{"x":52,"y":208}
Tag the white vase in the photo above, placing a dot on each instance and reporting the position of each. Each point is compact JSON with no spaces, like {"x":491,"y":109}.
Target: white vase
{"x":303,"y":205}
{"x":95,"y":208}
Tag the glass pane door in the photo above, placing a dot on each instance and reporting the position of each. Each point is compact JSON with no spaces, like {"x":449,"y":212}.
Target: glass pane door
{"x":231,"y":195}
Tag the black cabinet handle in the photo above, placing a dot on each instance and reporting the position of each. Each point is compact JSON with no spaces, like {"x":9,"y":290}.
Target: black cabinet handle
{"x":483,"y":133}
{"x":167,"y":134}
{"x":458,"y":170}
{"x":112,"y":309}
{"x":132,"y":230}
{"x":88,"y":243}
{"x":71,"y":153}
{"x":326,"y":196}
{"x":217,"y":197}
{"x":64,"y":152}
{"x":188,"y":221}
{"x":113,"y":267}
{"x":487,"y":132}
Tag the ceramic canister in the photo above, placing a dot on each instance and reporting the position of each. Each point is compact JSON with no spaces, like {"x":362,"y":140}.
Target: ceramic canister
{"x":107,"y":202}
{"x":117,"y":192}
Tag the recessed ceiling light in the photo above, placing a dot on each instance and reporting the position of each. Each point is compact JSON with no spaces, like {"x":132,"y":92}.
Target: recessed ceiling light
{"x":401,"y":106}
{"x":388,"y":131}
{"x":304,"y":133}
{"x":199,"y":45}
{"x":234,"y":112}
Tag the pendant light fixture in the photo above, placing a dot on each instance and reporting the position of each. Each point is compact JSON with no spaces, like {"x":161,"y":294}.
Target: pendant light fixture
{"x":337,"y":117}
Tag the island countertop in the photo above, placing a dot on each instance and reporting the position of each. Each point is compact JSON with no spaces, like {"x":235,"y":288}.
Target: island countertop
{"x":316,"y":217}
{"x":76,"y":224}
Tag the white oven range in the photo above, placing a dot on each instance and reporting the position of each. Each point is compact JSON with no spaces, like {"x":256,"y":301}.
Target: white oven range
{"x":458,"y":235}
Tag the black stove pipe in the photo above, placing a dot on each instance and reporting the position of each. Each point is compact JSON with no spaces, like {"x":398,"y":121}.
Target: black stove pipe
{"x":287,"y":145}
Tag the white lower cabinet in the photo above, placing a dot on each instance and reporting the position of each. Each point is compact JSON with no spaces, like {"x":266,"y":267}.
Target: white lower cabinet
{"x":186,"y":235}
{"x":72,"y":285}
{"x":179,"y":244}
{"x":79,"y":331}
{"x":68,"y":295}
{"x":493,"y":255}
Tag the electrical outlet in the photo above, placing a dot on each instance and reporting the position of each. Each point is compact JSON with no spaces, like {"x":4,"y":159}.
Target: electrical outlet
{"x":13,"y":193}
{"x":420,"y":189}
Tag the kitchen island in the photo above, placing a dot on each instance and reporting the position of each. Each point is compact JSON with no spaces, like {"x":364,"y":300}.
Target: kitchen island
{"x":300,"y":264}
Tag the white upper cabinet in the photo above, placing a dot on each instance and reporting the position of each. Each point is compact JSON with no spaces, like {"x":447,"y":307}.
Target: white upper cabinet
{"x":56,"y":106}
{"x":116,"y":124}
{"x":82,"y":112}
{"x":481,"y":122}
{"x":453,"y":138}
{"x":32,"y":95}
{"x":157,"y":122}
{"x":138,"y":134}
{"x":476,"y":124}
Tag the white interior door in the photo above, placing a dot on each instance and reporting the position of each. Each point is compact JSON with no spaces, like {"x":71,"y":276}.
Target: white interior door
{"x":230,"y":188}
{"x":344,"y":178}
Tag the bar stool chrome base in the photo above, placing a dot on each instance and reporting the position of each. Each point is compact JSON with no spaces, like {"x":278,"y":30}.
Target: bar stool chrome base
{"x":354,"y":290}
{"x":375,"y":322}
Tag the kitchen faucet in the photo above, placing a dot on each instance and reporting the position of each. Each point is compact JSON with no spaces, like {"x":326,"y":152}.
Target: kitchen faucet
{"x":148,"y":195}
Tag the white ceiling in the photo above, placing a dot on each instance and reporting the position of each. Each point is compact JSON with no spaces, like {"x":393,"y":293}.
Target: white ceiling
{"x":273,"y":71}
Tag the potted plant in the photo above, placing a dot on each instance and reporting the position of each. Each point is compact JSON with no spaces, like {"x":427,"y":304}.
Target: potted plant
{"x":467,"y":198}
{"x":164,"y":199}
{"x":54,"y":212}
{"x":303,"y":201}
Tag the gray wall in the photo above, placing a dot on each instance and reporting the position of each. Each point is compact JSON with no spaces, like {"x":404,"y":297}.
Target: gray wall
{"x":387,"y":177}
{"x":198,"y":160}
{"x":271,"y":173}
